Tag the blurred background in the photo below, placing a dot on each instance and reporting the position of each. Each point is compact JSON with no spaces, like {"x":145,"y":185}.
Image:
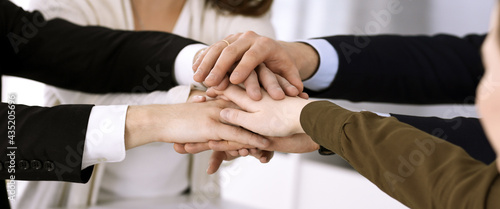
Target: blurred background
{"x":292,"y":181}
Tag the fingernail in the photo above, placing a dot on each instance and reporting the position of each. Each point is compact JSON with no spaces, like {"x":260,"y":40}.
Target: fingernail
{"x":224,"y":114}
{"x":233,"y":76}
{"x":197,"y":71}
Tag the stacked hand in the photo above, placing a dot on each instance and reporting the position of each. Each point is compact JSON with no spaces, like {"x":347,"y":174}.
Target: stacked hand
{"x":255,"y":61}
{"x":279,"y":67}
{"x":277,"y":120}
{"x":218,"y":156}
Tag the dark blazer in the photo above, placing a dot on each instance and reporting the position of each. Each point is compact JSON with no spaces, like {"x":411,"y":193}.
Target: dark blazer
{"x":49,"y":141}
{"x":461,"y":131}
{"x":414,"y":70}
{"x":406,"y":69}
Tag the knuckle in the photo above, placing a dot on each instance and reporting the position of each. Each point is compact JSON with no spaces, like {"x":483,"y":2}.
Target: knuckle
{"x":249,"y":34}
{"x":265,"y":40}
{"x":230,"y":50}
{"x":252,"y":53}
{"x":219,"y":46}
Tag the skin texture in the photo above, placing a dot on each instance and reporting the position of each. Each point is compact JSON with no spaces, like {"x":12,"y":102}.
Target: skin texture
{"x":157,"y":15}
{"x":488,"y":91}
{"x":247,"y":52}
{"x":168,"y":123}
{"x":218,"y":156}
{"x":277,"y":118}
{"x":267,"y":117}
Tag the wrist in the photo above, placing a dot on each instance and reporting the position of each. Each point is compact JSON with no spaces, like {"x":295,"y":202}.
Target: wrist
{"x":136,"y":127}
{"x":306,"y":58}
{"x":299,"y":105}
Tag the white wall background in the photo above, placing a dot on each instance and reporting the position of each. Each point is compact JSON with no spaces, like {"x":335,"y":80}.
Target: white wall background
{"x":292,"y":181}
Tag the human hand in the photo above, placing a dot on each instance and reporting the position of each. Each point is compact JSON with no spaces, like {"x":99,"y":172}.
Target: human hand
{"x":197,"y":96}
{"x":297,"y":143}
{"x":228,"y":150}
{"x":267,"y":117}
{"x":277,"y":86}
{"x":293,"y":61}
{"x":184,"y":123}
{"x":218,"y":157}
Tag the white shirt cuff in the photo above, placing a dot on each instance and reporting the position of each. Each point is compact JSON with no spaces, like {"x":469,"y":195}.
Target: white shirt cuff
{"x":184,"y":63}
{"x":382,"y":114}
{"x":105,"y":137}
{"x":328,"y":65}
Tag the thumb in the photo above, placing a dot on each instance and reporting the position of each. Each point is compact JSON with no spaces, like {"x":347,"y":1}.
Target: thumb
{"x":238,"y":95}
{"x":235,"y":117}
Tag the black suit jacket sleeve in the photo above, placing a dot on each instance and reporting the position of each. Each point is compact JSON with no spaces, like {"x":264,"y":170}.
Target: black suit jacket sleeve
{"x":91,"y":59}
{"x":47,"y":142}
{"x":406,"y":69}
{"x":466,"y":133}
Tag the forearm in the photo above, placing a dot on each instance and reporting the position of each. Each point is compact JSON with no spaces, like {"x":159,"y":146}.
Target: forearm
{"x":136,"y":127}
{"x":177,"y":94}
{"x":66,"y":55}
{"x":415,"y":168}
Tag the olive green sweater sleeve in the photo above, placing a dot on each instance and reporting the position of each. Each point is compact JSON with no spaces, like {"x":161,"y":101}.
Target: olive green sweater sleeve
{"x":417,"y":169}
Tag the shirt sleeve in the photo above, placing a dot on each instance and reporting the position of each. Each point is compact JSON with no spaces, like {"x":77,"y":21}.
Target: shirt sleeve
{"x":328,"y":65}
{"x":415,"y":168}
{"x":183,"y":64}
{"x":105,"y":135}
